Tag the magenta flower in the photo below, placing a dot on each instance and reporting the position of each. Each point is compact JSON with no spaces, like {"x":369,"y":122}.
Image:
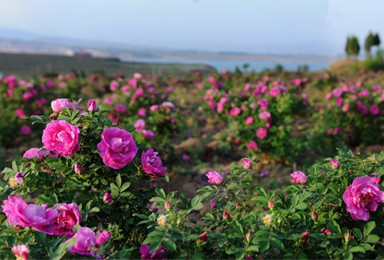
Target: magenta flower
{"x":38,"y":153}
{"x":92,"y":107}
{"x":249,"y":120}
{"x":78,"y":169}
{"x":235,"y":111}
{"x":362,"y":197}
{"x":69,"y":216}
{"x":107,"y":198}
{"x":252,"y":145}
{"x":225,"y":215}
{"x":20,"y":113}
{"x":61,"y":137}
{"x":298,"y":177}
{"x":21,"y":252}
{"x":34,"y":216}
{"x":274,"y":92}
{"x":157,"y":254}
{"x":121,"y":109}
{"x":86,"y":242}
{"x":265,"y":115}
{"x":148,"y":134}
{"x":214,"y":177}
{"x":19,"y":177}
{"x":263,"y":103}
{"x":154,"y":107}
{"x":59,"y":104}
{"x":261,"y":133}
{"x":213,"y":204}
{"x":247,"y":163}
{"x":117,"y":147}
{"x":335,"y":164}
{"x":26,"y":130}
{"x":374,"y":110}
{"x":142,"y":112}
{"x":152,"y":163}
{"x":140,"y":124}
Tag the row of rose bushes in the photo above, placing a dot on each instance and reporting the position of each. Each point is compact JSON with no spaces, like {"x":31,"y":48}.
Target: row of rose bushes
{"x":88,"y":192}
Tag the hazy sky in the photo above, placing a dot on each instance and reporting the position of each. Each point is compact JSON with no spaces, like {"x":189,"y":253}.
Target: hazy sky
{"x":259,"y":26}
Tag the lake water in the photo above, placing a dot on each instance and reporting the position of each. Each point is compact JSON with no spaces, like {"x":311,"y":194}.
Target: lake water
{"x":230,"y":65}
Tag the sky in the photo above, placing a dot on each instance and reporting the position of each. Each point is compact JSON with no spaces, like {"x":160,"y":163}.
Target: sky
{"x":317,"y":27}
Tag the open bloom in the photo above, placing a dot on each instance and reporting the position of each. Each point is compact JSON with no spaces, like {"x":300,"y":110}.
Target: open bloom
{"x":61,"y":137}
{"x":69,"y":216}
{"x":214,"y":177}
{"x":157,"y":254}
{"x":87,"y":243}
{"x":117,"y":147}
{"x":362,"y":197}
{"x":38,"y":153}
{"x":29,"y":215}
{"x":299,"y":177}
{"x":261,"y":133}
{"x":152,"y":163}
{"x":21,"y":252}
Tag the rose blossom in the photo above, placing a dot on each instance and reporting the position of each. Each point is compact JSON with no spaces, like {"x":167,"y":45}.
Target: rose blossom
{"x":61,"y":137}
{"x":261,"y":133}
{"x":25,"y":130}
{"x":247,"y":163}
{"x":335,"y":164}
{"x":235,"y":111}
{"x":121,"y":109}
{"x":148,"y":134}
{"x":252,"y":145}
{"x":20,"y":113}
{"x":362,"y":196}
{"x":117,"y":147}
{"x":32,"y":215}
{"x":249,"y":120}
{"x":86,"y":242}
{"x":107,"y":198}
{"x":58,"y":105}
{"x":38,"y":153}
{"x":299,"y":177}
{"x":139,"y":125}
{"x":152,"y":163}
{"x":21,"y":252}
{"x":69,"y":216}
{"x":157,"y":254}
{"x":92,"y":107}
{"x":265,"y":115}
{"x":374,"y":110}
{"x":214,"y":177}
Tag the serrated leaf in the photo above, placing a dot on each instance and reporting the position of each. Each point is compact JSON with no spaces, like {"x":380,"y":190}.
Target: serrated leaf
{"x":356,"y":249}
{"x":369,"y":227}
{"x":372,"y":239}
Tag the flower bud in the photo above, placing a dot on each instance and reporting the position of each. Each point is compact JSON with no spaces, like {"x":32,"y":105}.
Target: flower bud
{"x":314,"y":215}
{"x":78,"y":169}
{"x":225,"y":215}
{"x":248,"y":237}
{"x":92,"y":107}
{"x":203,"y":236}
{"x":270,"y":204}
{"x":167,"y":205}
{"x":213,"y":204}
{"x":335,"y":164}
{"x":304,"y":237}
{"x":346,"y":237}
{"x":107,"y":198}
{"x":247,"y":163}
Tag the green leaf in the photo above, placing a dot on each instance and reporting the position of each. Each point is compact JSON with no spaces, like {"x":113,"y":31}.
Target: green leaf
{"x":161,"y":193}
{"x":301,"y":206}
{"x":168,"y":243}
{"x":372,"y":239}
{"x":62,"y":249}
{"x":253,"y":248}
{"x":369,"y":227}
{"x":125,"y":186}
{"x":334,"y":227}
{"x":356,"y":249}
{"x":277,"y":243}
{"x":118,"y":180}
{"x":114,"y":190}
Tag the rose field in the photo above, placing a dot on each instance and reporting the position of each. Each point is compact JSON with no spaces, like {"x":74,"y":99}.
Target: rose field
{"x":231,"y":165}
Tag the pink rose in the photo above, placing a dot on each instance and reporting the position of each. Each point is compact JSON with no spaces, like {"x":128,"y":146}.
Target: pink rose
{"x":86,"y":242}
{"x":374,"y":110}
{"x":152,"y":163}
{"x":261,"y":133}
{"x":69,"y":216}
{"x":154,"y":107}
{"x":20,"y":113}
{"x":214,"y":177}
{"x":299,"y":177}
{"x":157,"y":254}
{"x":21,"y":251}
{"x":78,"y":169}
{"x":265,"y":115}
{"x":235,"y":111}
{"x":92,"y":107}
{"x":38,"y":153}
{"x":274,"y":92}
{"x":252,"y":145}
{"x":102,"y":237}
{"x":139,"y":125}
{"x":61,"y":137}
{"x":247,"y":163}
{"x":117,"y":147}
{"x":58,"y":105}
{"x":113,"y":85}
{"x":121,"y":109}
{"x":148,"y":134}
{"x":335,"y":164}
{"x":26,"y":130}
{"x":107,"y":198}
{"x":362,"y":197}
{"x":35,"y":216}
{"x":263,"y":103}
{"x":141,"y":112}
{"x":249,"y":120}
